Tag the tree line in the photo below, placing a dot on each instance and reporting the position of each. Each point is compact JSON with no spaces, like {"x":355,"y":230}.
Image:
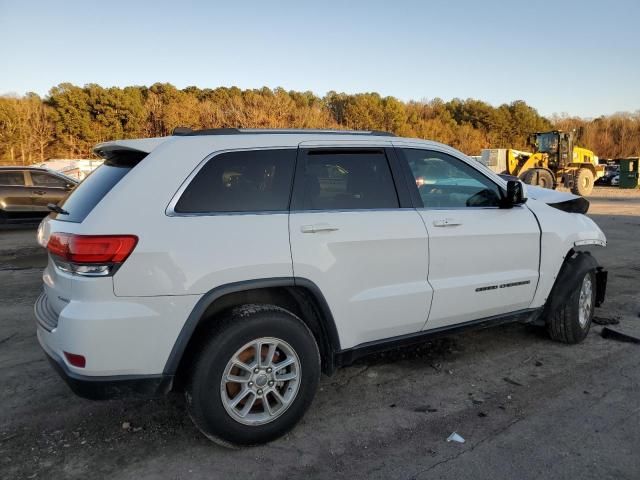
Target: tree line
{"x":70,"y":120}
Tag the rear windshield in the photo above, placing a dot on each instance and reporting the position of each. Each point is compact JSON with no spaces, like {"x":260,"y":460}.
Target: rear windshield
{"x":88,"y":194}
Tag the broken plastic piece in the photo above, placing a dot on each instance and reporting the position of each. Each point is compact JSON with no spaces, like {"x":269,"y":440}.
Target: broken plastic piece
{"x":454,"y":437}
{"x":606,"y":320}
{"x":512,"y":382}
{"x":618,"y":335}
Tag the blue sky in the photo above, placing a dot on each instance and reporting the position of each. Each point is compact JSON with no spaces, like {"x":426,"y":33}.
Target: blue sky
{"x":578,"y":57}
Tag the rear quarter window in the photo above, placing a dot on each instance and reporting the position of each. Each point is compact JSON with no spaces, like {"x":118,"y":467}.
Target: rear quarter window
{"x":243,"y":181}
{"x":13,"y":179}
{"x":84,"y":198}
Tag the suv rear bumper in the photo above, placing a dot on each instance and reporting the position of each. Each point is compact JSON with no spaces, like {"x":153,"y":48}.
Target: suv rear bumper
{"x":125,"y":341}
{"x":108,"y":387}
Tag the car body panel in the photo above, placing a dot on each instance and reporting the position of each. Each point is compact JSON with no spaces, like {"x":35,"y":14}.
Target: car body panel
{"x":217,"y":250}
{"x":15,"y":198}
{"x":28,"y":198}
{"x":372,"y":270}
{"x":43,"y":194}
{"x":477,"y":267}
{"x":119,"y":336}
{"x":561,"y":233}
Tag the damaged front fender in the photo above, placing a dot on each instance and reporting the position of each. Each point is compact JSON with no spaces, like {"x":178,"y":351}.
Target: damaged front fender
{"x":565,"y":201}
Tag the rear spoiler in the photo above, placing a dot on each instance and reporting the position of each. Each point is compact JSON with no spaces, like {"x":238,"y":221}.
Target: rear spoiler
{"x":142,"y":145}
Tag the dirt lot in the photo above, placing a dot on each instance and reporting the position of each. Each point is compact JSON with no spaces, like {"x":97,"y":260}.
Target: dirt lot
{"x":527,"y":407}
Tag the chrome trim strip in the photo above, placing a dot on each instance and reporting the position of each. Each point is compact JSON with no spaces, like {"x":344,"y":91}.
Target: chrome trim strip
{"x":229,"y":214}
{"x":170,"y":209}
{"x":351,"y":210}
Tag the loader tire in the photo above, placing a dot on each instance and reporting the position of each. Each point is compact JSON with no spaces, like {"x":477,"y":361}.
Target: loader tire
{"x":538,"y":177}
{"x":583,"y":182}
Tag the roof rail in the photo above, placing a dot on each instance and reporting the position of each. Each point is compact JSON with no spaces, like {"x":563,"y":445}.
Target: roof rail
{"x":188,"y":132}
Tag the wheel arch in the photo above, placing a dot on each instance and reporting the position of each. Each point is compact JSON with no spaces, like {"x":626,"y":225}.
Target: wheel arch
{"x":299,"y":296}
{"x":574,"y":267}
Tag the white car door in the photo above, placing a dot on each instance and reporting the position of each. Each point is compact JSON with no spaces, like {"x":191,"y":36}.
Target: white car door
{"x":357,"y":237}
{"x":484,"y":259}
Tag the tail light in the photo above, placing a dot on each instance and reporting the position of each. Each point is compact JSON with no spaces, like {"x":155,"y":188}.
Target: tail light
{"x":90,"y":255}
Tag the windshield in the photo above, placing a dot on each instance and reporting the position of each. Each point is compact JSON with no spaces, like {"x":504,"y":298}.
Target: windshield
{"x":547,"y":142}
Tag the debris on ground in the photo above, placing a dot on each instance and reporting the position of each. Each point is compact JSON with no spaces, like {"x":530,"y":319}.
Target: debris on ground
{"x":9,"y":437}
{"x":454,"y":437}
{"x":606,"y":320}
{"x":538,"y":363}
{"x":126,"y":425}
{"x":482,"y":414}
{"x":425,"y":409}
{"x":512,"y":382}
{"x":6,"y":339}
{"x":618,"y":335}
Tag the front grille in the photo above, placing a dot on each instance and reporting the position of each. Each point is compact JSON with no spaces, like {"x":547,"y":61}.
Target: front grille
{"x":45,"y":315}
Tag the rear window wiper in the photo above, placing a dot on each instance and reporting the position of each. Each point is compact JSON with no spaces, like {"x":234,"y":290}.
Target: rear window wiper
{"x":56,"y":208}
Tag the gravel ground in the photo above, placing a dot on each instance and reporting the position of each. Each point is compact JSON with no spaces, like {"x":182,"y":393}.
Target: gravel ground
{"x":527,"y":407}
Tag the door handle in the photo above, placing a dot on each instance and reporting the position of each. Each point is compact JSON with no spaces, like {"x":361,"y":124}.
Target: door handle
{"x":39,"y":192}
{"x":446,"y":222}
{"x":318,"y":227}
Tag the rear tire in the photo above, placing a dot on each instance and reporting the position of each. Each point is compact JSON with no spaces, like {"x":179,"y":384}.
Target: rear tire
{"x":583,"y":182}
{"x":538,"y":177}
{"x":237,"y":397}
{"x":571,"y":322}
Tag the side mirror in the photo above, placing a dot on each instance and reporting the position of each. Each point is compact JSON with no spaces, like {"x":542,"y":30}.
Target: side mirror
{"x":515,"y":194}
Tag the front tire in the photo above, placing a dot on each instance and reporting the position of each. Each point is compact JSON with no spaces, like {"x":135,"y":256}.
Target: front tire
{"x":255,"y":377}
{"x":583,"y":182}
{"x":571,"y":321}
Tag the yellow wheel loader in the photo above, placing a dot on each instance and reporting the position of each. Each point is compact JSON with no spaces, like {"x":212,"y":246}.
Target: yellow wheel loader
{"x":555,"y":160}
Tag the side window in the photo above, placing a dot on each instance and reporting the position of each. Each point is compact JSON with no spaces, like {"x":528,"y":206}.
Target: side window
{"x":446,"y":182}
{"x":11,"y":178}
{"x":246,"y":181}
{"x":45,"y":180}
{"x":345,"y":180}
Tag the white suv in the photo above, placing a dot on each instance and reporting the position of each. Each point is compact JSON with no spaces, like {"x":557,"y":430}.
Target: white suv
{"x":237,"y":265}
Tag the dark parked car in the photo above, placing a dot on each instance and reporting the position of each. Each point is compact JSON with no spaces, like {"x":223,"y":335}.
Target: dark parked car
{"x":25,"y":192}
{"x":610,"y":172}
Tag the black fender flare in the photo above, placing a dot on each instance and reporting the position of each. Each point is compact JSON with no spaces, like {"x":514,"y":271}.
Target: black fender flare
{"x":197,"y":313}
{"x":575,"y":266}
